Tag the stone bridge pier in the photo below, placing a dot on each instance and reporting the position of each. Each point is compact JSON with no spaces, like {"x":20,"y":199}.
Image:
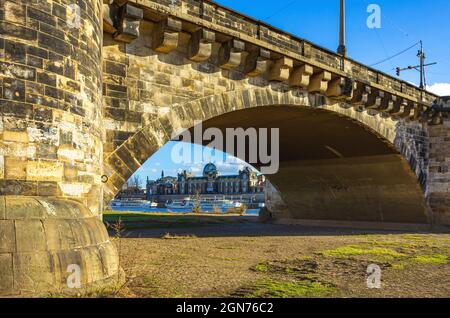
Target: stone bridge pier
{"x":51,"y":137}
{"x":90,"y":89}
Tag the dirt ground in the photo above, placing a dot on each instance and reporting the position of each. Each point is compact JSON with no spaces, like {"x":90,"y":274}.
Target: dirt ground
{"x":210,"y":256}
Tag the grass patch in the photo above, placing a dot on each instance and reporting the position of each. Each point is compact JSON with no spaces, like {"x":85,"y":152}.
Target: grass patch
{"x":169,"y":236}
{"x":287,"y":289}
{"x":150,"y":280}
{"x":404,"y":255}
{"x":399,"y":266}
{"x":437,"y":259}
{"x":261,"y":267}
{"x":140,"y":220}
{"x":355,"y":250}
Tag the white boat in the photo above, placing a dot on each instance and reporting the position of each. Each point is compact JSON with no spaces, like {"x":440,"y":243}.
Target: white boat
{"x":130,"y":203}
{"x":153,"y":204}
{"x":221,"y":205}
{"x":205,"y":205}
{"x":227,"y":204}
{"x":209,"y":206}
{"x":180,"y":205}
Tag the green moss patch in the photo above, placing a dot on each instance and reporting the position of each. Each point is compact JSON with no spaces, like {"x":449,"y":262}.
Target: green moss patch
{"x":290,"y":289}
{"x":397,"y":254}
{"x":261,"y":267}
{"x":438,"y":259}
{"x":354,"y":250}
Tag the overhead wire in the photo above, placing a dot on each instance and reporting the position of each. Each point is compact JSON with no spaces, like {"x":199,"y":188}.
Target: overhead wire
{"x":399,"y":29}
{"x":395,"y":55}
{"x":281,"y":10}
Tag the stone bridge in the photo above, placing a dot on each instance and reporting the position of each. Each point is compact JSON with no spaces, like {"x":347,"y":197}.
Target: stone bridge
{"x":89,"y":90}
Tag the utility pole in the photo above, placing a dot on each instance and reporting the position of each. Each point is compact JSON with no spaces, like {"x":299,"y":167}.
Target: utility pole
{"x":420,"y":68}
{"x":342,"y":50}
{"x":421,"y":56}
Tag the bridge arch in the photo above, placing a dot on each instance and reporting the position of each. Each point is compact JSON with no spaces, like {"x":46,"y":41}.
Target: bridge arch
{"x":322,"y":184}
{"x":64,"y":87}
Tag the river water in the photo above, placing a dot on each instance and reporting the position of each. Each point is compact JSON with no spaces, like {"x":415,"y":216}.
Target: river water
{"x":165,"y":210}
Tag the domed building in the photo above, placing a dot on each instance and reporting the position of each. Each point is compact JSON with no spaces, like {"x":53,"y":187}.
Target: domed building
{"x":210,"y":171}
{"x":211,"y":182}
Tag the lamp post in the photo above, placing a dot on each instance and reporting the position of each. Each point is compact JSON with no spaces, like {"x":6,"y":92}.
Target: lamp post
{"x":342,"y":50}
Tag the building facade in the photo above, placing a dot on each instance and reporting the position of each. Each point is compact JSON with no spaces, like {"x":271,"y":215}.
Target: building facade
{"x":211,"y":182}
{"x":131,"y":192}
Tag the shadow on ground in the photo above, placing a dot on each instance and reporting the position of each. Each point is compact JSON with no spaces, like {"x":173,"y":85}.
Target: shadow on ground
{"x":141,"y":225}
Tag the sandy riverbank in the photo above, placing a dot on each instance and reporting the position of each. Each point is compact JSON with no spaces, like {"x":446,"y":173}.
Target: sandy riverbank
{"x":172,"y":255}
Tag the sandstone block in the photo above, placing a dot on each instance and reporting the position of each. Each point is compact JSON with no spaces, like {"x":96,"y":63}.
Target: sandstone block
{"x":7,"y":236}
{"x":34,"y":272}
{"x":6,"y":273}
{"x":30,"y":236}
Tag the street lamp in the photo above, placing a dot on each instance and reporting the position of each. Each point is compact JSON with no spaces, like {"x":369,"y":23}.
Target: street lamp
{"x":342,"y":50}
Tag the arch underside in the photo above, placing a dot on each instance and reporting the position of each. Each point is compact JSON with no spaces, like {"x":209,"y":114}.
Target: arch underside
{"x":332,"y":167}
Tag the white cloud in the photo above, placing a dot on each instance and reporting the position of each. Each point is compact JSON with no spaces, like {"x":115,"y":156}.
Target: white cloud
{"x":232,"y":165}
{"x":195,"y":169}
{"x":441,"y":89}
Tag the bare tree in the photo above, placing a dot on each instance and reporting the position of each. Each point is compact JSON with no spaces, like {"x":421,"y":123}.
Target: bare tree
{"x":134,"y":181}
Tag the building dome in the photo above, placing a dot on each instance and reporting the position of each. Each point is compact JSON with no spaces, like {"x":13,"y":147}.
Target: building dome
{"x":209,"y":170}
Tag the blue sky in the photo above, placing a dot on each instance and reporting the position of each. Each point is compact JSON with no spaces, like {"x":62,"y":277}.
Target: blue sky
{"x":162,"y":160}
{"x":403,"y":23}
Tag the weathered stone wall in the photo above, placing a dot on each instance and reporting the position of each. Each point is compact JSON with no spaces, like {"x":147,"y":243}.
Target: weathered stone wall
{"x":438,"y":183}
{"x":51,"y":141}
{"x":412,"y":141}
{"x":141,"y":84}
{"x":51,"y":129}
{"x":427,"y":149}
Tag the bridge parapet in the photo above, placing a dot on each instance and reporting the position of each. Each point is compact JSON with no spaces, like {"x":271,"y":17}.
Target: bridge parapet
{"x":264,"y":49}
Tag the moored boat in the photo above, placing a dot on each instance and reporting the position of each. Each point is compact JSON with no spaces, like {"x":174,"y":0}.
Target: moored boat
{"x":130,"y":203}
